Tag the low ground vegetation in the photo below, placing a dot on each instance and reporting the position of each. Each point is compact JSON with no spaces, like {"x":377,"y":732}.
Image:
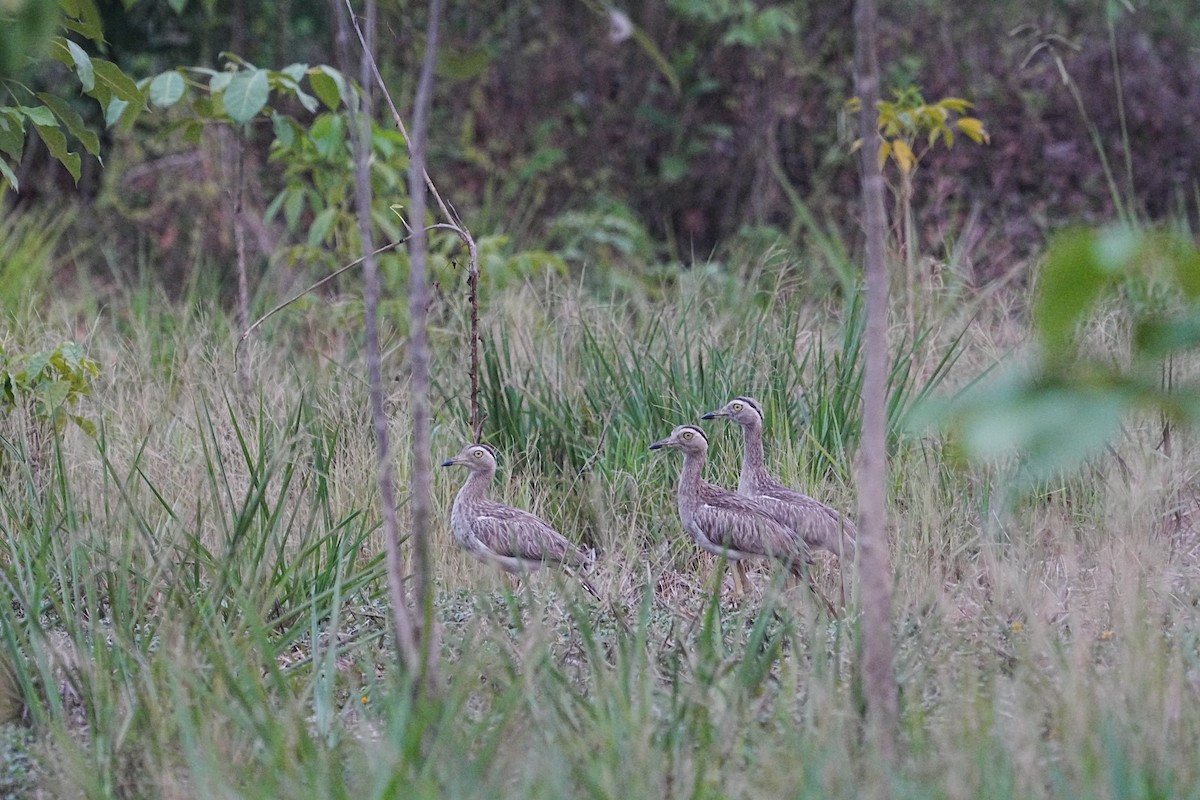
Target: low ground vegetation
{"x":194,"y":604}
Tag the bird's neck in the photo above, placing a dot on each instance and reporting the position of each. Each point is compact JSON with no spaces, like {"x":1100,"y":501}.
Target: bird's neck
{"x":476,"y":487}
{"x":753,"y":469}
{"x":689,"y":476}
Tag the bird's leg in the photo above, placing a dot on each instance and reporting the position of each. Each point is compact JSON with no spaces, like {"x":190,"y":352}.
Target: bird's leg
{"x":739,"y":574}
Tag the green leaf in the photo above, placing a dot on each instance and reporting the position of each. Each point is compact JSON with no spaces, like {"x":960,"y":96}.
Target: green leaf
{"x":295,"y":71}
{"x":12,"y":133}
{"x":293,"y":207}
{"x":118,"y":84}
{"x":329,"y":135}
{"x":1070,"y":283}
{"x":1185,"y":261}
{"x":83,"y":17}
{"x":1155,"y":337}
{"x":246,"y":95}
{"x":56,"y":143}
{"x":325,"y":88}
{"x":74,"y":56}
{"x":113,"y":111}
{"x":167,"y":89}
{"x":285,"y":129}
{"x":8,"y":176}
{"x":177,"y":6}
{"x":38,"y":115}
{"x":220,"y":81}
{"x":321,"y":226}
{"x":75,"y":124}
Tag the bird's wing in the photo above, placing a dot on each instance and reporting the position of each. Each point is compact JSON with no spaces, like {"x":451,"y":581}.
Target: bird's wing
{"x":741,"y":523}
{"x":515,"y":533}
{"x":820,"y":526}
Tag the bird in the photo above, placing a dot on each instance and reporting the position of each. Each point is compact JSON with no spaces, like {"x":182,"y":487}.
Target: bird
{"x":515,"y":540}
{"x":821,"y":527}
{"x":727,"y":524}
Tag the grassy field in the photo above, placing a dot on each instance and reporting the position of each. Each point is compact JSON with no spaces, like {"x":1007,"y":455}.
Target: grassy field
{"x":193,"y":603}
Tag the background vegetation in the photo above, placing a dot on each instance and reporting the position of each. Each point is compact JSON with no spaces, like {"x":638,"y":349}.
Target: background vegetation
{"x":191,"y":573}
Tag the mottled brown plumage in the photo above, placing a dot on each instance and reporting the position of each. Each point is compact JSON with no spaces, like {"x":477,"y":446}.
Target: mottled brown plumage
{"x":494,"y":533}
{"x":722,"y":522}
{"x":821,"y":527}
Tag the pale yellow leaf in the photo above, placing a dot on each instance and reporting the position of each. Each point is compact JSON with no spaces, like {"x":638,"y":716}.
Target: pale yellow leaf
{"x":903,"y":155}
{"x":974,"y":129}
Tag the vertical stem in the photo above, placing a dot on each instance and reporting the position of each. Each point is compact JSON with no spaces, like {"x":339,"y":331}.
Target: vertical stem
{"x":418,"y":304}
{"x":878,"y":676}
{"x":402,"y":620}
{"x":239,"y":237}
{"x":473,"y":298}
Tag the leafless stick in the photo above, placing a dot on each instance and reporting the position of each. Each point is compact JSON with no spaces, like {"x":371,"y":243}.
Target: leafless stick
{"x":455,"y":224}
{"x":239,"y":236}
{"x":421,"y":499}
{"x":402,"y":617}
{"x":875,"y":578}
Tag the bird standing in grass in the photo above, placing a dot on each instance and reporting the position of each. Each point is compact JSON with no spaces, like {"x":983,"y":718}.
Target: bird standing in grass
{"x":514,"y":540}
{"x":821,"y":527}
{"x":727,"y":524}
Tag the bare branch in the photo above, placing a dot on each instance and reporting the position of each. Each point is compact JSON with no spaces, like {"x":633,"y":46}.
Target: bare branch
{"x":448,"y":213}
{"x":421,"y":500}
{"x":876,"y":669}
{"x":402,"y":619}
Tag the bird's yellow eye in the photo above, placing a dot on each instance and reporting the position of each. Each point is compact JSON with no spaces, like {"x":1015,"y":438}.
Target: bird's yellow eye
{"x":737,"y":406}
{"x":687,"y":434}
{"x":479,"y":454}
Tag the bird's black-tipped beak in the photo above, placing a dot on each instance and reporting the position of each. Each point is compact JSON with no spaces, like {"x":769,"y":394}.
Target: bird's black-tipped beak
{"x":449,"y":462}
{"x":710,"y":415}
{"x":659,"y":445}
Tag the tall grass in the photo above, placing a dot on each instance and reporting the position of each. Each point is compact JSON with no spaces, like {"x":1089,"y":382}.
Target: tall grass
{"x":192,"y":603}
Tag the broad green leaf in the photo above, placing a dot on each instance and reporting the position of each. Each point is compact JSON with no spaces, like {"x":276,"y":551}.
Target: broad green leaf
{"x":1185,"y":263}
{"x":325,"y":88}
{"x":56,"y":143}
{"x":329,"y":135}
{"x":52,"y":394}
{"x":246,"y":95}
{"x":1155,"y":337}
{"x":177,"y":6}
{"x":38,"y":115}
{"x":113,"y":112}
{"x":293,"y":207}
{"x":12,"y":133}
{"x":321,"y":226}
{"x":295,"y":71}
{"x":117,"y":82}
{"x":74,"y":56}
{"x":285,"y":129}
{"x":8,"y":176}
{"x":220,"y":81}
{"x":1070,"y":283}
{"x":285,"y":84}
{"x":167,"y":89}
{"x":75,"y":124}
{"x":83,"y":17}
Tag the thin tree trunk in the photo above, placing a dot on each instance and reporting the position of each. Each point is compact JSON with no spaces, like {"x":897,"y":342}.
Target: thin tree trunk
{"x":402,"y":618}
{"x":239,"y":238}
{"x":418,"y":305}
{"x":878,"y":675}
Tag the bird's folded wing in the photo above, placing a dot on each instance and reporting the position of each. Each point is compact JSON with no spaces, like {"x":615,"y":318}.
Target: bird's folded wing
{"x":518,"y":534}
